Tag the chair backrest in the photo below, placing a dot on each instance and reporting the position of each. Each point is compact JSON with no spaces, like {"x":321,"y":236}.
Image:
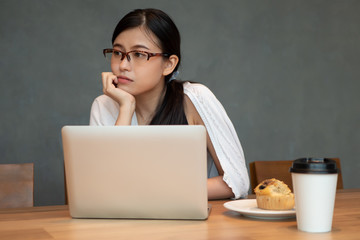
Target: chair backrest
{"x":16,"y":185}
{"x":261,"y":170}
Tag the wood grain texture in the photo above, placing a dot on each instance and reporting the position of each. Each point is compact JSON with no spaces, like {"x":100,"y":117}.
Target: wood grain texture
{"x":54,"y":222}
{"x":16,"y":185}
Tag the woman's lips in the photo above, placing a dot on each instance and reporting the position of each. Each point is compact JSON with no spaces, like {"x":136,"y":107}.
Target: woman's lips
{"x":124,"y":80}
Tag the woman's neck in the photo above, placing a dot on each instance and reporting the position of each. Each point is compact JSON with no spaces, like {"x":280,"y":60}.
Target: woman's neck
{"x":146,"y":105}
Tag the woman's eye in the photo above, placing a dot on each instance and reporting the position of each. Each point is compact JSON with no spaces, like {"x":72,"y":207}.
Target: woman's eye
{"x":140,"y":55}
{"x":117,"y":53}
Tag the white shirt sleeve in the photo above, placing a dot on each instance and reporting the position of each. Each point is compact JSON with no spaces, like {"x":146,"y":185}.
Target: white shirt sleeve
{"x":223,"y":137}
{"x":104,"y":111}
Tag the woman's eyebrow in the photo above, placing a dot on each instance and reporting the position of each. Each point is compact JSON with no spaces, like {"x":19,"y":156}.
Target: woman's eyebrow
{"x":118,"y":45}
{"x":133,"y":47}
{"x":139,"y":46}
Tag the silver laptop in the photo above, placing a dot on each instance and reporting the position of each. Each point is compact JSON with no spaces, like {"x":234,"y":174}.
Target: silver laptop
{"x":154,"y":172}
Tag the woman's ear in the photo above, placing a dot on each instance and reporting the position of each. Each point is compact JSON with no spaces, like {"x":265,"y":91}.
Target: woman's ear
{"x":170,"y":64}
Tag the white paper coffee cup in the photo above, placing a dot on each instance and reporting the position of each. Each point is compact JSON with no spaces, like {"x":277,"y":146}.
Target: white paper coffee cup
{"x":314,"y":182}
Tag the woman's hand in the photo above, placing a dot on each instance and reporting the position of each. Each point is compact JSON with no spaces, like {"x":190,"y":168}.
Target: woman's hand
{"x":125,"y":100}
{"x":109,"y":88}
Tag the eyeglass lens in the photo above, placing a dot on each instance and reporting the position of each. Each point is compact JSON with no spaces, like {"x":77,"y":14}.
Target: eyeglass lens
{"x":136,"y":56}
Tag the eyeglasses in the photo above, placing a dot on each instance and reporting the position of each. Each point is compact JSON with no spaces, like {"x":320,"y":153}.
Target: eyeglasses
{"x":137,"y":56}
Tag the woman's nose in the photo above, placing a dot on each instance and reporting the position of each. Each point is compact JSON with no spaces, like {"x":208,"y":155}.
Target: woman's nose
{"x":125,"y":63}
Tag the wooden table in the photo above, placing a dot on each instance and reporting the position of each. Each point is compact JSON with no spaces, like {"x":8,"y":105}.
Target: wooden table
{"x":54,"y":222}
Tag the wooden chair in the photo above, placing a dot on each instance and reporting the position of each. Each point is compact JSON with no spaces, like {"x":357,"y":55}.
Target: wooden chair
{"x":261,"y":170}
{"x":16,"y":185}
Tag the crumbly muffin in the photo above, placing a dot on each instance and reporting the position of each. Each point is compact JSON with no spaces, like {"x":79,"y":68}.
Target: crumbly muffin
{"x":273,"y":194}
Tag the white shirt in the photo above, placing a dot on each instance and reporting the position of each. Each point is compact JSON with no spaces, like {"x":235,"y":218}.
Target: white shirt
{"x":105,"y":110}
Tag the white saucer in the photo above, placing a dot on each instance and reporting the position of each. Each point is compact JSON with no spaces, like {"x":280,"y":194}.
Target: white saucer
{"x":248,"y":207}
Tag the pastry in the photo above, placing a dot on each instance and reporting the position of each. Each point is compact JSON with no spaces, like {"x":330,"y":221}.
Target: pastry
{"x":273,"y":194}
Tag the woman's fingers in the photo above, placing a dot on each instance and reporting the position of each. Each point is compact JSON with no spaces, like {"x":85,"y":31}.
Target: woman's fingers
{"x":107,"y":79}
{"x":109,"y":88}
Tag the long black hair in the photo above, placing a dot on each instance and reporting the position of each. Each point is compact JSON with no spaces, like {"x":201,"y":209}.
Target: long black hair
{"x":171,"y":110}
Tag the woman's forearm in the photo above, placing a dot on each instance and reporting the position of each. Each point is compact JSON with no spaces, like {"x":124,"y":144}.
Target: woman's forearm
{"x":218,"y":189}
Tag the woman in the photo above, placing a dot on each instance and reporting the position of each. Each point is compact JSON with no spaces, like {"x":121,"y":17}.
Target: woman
{"x":140,"y":90}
